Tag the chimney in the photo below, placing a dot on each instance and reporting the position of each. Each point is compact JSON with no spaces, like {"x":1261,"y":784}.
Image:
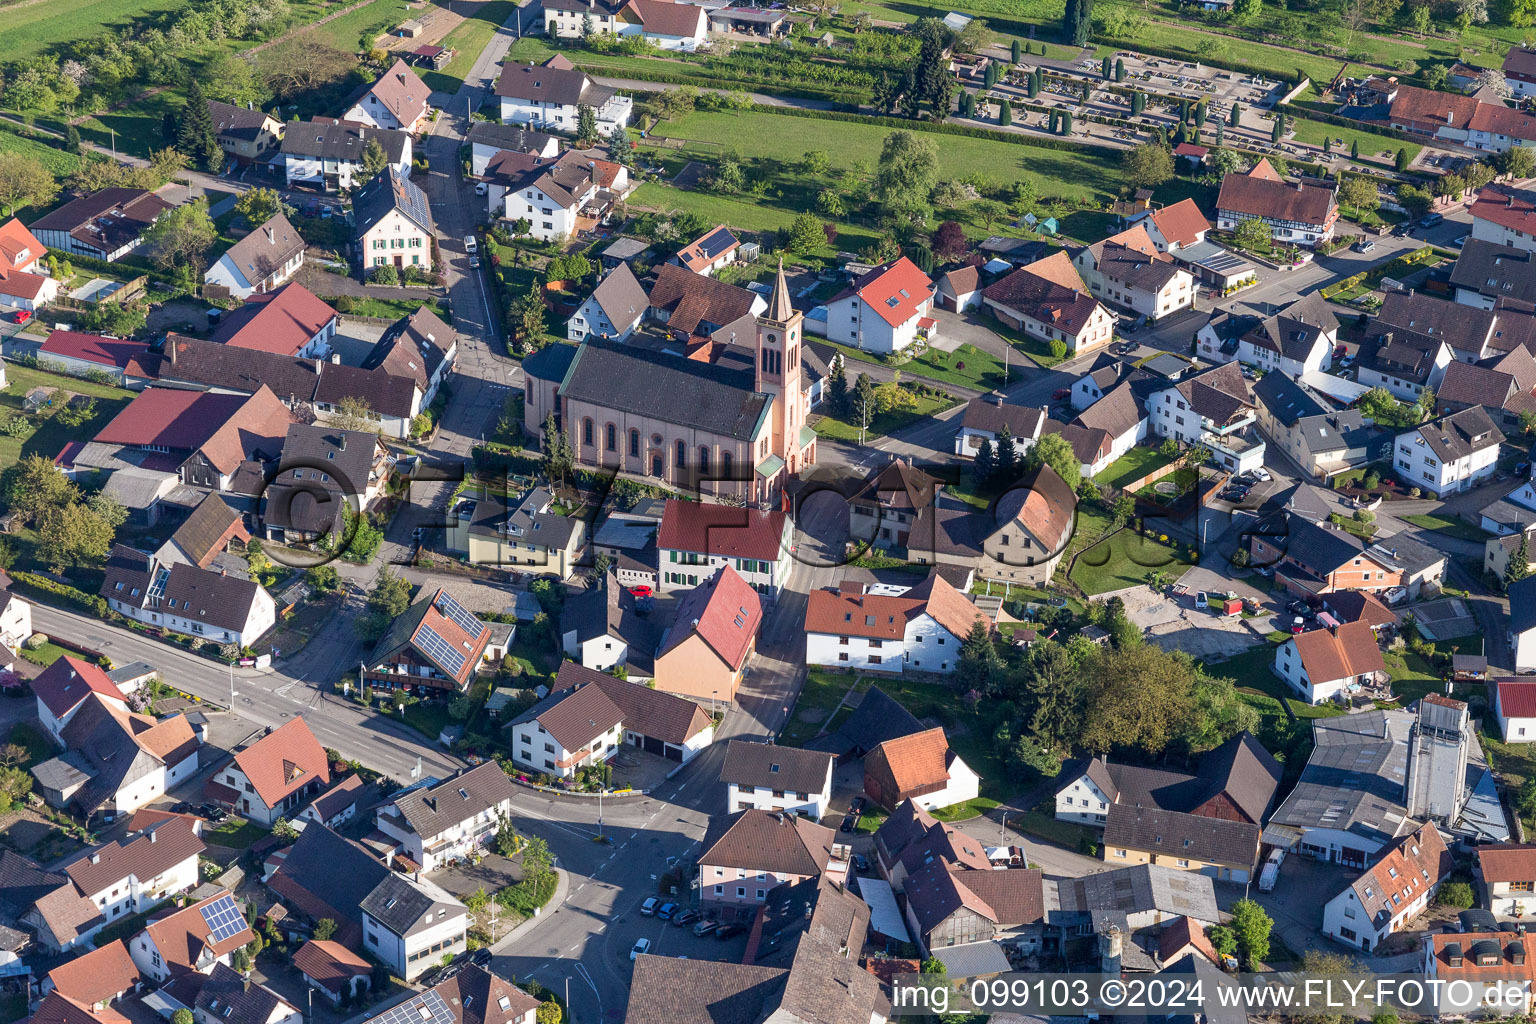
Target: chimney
{"x":343,"y":442}
{"x":152,"y":834}
{"x":173,"y":353}
{"x":271,"y":235}
{"x":1299,"y":186}
{"x":318,"y":363}
{"x":96,"y":858}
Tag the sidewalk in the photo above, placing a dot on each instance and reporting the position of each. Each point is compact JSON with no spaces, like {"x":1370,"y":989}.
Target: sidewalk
{"x":562,"y":890}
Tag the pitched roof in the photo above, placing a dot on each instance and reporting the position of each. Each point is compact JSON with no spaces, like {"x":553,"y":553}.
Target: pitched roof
{"x":1402,"y":874}
{"x":228,"y":996}
{"x":1438,"y":109}
{"x":402,"y":904}
{"x":550,"y":83}
{"x":281,"y":322}
{"x":266,"y":250}
{"x":676,"y":390}
{"x":960,"y":281}
{"x":237,"y":122}
{"x":690,"y":299}
{"x":160,"y":847}
{"x":1504,"y":205}
{"x":211,"y":597}
{"x":434,"y":618}
{"x":252,"y":434}
{"x":721,"y":530}
{"x":65,"y":683}
{"x":1185,"y":933}
{"x":1460,"y":326}
{"x":1275,"y":200}
{"x":434,"y":810}
{"x":107,"y":219}
{"x":207,"y":530}
{"x":1245,"y":772}
{"x":775,"y":767}
{"x":621,"y":297}
{"x":1460,"y":434}
{"x":1043,"y":504}
{"x":724,"y":611}
{"x":509,"y":137}
{"x":413,"y":346}
{"x":654,"y":713}
{"x":877,"y":718}
{"x":911,"y":764}
{"x":284,"y":760}
{"x":1522,"y":605}
{"x":991,"y":414}
{"x":1182,"y":223}
{"x":1498,"y":271}
{"x":96,"y":976}
{"x":329,"y":963}
{"x":757,"y":840}
{"x":704,"y":250}
{"x":325,"y":875}
{"x":336,"y":141}
{"x":1049,"y":291}
{"x":19,"y":249}
{"x":1348,"y":651}
{"x":1516,"y":697}
{"x":170,"y":418}
{"x":1507,"y":862}
{"x":402,"y":92}
{"x":116,"y":748}
{"x":668,"y":17}
{"x":1219,"y":394}
{"x":1472,"y":384}
{"x":667,"y":990}
{"x":60,"y":1009}
{"x":1178,"y":834}
{"x":387,"y":192}
{"x":92,"y":348}
{"x":182,"y":937}
{"x":897,"y":291}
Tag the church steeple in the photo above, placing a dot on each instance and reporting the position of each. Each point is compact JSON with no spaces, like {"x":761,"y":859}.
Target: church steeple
{"x":780,"y":309}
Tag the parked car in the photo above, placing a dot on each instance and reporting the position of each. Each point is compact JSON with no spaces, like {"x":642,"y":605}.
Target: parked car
{"x":1340,"y":352}
{"x":726,"y":931}
{"x":1202,"y":601}
{"x":1401,"y":231}
{"x":1298,"y":625}
{"x":1429,"y":220}
{"x":860,"y":862}
{"x":22,"y":316}
{"x":1125,"y":348}
{"x":181,"y":808}
{"x":474,"y":262}
{"x":640,"y":590}
{"x":856,"y":805}
{"x":1300,"y":607}
{"x":686,"y":917}
{"x":1258,"y":475}
{"x":480,"y":957}
{"x":705,"y":927}
{"x":666,"y":911}
{"x":640,"y":946}
{"x":850,"y":822}
{"x":648,"y":908}
{"x":481,"y":188}
{"x":1395,"y":595}
{"x":1060,"y":394}
{"x":1364,"y":245}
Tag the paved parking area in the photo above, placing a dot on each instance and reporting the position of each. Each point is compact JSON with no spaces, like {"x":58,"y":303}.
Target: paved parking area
{"x":1174,"y":622}
{"x":634,"y":768}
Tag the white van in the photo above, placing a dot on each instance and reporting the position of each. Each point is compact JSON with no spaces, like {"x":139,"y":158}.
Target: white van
{"x":1271,"y":872}
{"x":470,"y":245}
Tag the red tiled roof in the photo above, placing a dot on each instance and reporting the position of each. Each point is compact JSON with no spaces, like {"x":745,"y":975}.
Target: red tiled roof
{"x":97,"y":976}
{"x":60,"y":1009}
{"x":897,"y":291}
{"x":1048,"y":291}
{"x":64,"y":684}
{"x":851,"y":612}
{"x":92,"y":347}
{"x":1338,"y":654}
{"x":15,"y":240}
{"x":1265,"y":170}
{"x":469,"y":645}
{"x":281,"y":322}
{"x":1428,"y":108}
{"x":1516,"y":698}
{"x":182,"y":936}
{"x":1507,"y":862}
{"x":721,"y":530}
{"x":1190,"y":149}
{"x":1182,"y":223}
{"x":171,"y":418}
{"x":1275,"y":200}
{"x":911,"y":763}
{"x":402,"y":92}
{"x":284,"y":760}
{"x":1507,"y":207}
{"x":156,"y":851}
{"x":1502,"y":120}
{"x":329,"y":963}
{"x":724,"y":611}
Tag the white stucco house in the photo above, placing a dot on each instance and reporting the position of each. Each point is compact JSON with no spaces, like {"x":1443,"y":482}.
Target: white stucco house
{"x":883,"y":310}
{"x":450,"y":820}
{"x":769,"y":777}
{"x":1326,"y":663}
{"x":1085,"y":800}
{"x":1390,"y":893}
{"x":1514,"y":705}
{"x":1450,"y":453}
{"x":921,"y":628}
{"x":1522,"y":623}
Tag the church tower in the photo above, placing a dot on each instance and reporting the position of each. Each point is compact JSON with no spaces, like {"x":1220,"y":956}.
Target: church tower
{"x":779,"y":341}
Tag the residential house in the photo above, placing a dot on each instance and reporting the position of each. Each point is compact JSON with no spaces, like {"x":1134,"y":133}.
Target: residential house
{"x":1220,"y":848}
{"x":696,"y":538}
{"x":949,"y":906}
{"x":768,"y":777}
{"x":1514,"y":705}
{"x":550,"y":94}
{"x":15,"y":623}
{"x":922,"y":628}
{"x":1522,"y":623}
{"x":1142,"y":896}
{"x":1185,"y":938}
{"x":398,"y":100}
{"x":1332,"y":663}
{"x":1506,"y":873}
{"x":1403,"y":362}
{"x":608,"y":626}
{"x":1469,"y":331}
{"x":1493,"y":967}
{"x":1048,"y":300}
{"x":528,"y":533}
{"x":24,"y":280}
{"x":1520,"y":71}
{"x":1106,"y":374}
{"x":689,"y":305}
{"x":61,"y":690}
{"x":958,"y":290}
{"x":406,"y":923}
{"x":273,"y":777}
{"x":46,"y":903}
{"x":666,"y":25}
{"x":884,"y":310}
{"x":1497,"y":551}
{"x":1321,"y":442}
{"x":449,"y":821}
{"x":1505,"y":215}
{"x":613,"y":310}
{"x":1450,"y":453}
{"x":921,"y":767}
{"x":472,"y":996}
{"x":97,"y":979}
{"x":883,"y":509}
{"x":653,"y":720}
{"x":322,"y":471}
{"x":625,"y":251}
{"x":1298,"y":340}
{"x":1235,"y":782}
{"x":488,"y":139}
{"x":1466,"y":120}
{"x":116,"y":761}
{"x":394,"y":223}
{"x":327,"y":154}
{"x":291,"y":321}
{"x":193,"y":939}
{"x":205,"y":536}
{"x":559,"y":199}
{"x":260,"y":262}
{"x":335,"y":806}
{"x":1213,"y":408}
{"x":706,"y":254}
{"x":1176,"y":227}
{"x":246,"y":135}
{"x":704,"y":652}
{"x":227,"y":995}
{"x":1487,"y":275}
{"x":1504,"y":385}
{"x":1020,"y":539}
{"x":746,"y":853}
{"x":910,"y":837}
{"x":1116,"y":423}
{"x":1130,"y":271}
{"x":420,"y":347}
{"x":434,"y":647}
{"x":333,"y":970}
{"x":184,"y":598}
{"x":1391,"y":892}
{"x":1296,"y":214}
{"x":1313,"y":558}
{"x":106,"y":225}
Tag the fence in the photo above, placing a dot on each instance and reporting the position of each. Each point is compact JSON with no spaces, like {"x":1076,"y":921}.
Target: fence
{"x":130,"y":291}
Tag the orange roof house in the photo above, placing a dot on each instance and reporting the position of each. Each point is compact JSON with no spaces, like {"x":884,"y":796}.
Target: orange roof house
{"x":705,"y":651}
{"x":23,"y":281}
{"x":919,"y":767}
{"x":274,"y":776}
{"x":191,"y":939}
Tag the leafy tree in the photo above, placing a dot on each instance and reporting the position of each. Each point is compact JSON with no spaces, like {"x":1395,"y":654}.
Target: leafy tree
{"x":72,"y":536}
{"x":559,"y":459}
{"x":1122,"y":510}
{"x":1359,"y":193}
{"x":1055,"y":694}
{"x":837,"y":387}
{"x":1252,"y":926}
{"x":1516,"y":162}
{"x":1007,"y":457}
{"x":1066,"y":122}
{"x":1119,"y":69}
{"x":35,"y":483}
{"x":1077,"y":21}
{"x":980,"y":666}
{"x":196,"y":138}
{"x":1138,"y":102}
{"x":180,"y":238}
{"x":1030,"y":755}
{"x":375,"y":160}
{"x":586,"y":126}
{"x":1252,"y":234}
{"x":354,"y":413}
{"x":384,"y":274}
{"x":24,"y":182}
{"x":905,"y":175}
{"x":323,"y":578}
{"x":816,"y":162}
{"x":1147,"y":166}
{"x":1055,"y":451}
{"x":1520,"y":562}
{"x":548,"y":1012}
{"x":259,"y":205}
{"x":1036,"y":83}
{"x":182,"y":1016}
{"x":989,"y":76}
{"x":303,"y":64}
{"x":949,"y":241}
{"x":325,"y":928}
{"x":1456,"y":895}
{"x":806,"y":235}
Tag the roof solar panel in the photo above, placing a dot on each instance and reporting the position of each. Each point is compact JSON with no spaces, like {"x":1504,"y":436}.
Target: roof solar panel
{"x":426,"y":1008}
{"x":456,"y":612}
{"x":223,"y":918}
{"x":440,"y":651}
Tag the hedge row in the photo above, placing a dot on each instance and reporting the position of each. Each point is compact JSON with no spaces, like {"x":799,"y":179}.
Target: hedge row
{"x":934,"y":127}
{"x":733,"y":85}
{"x":1375,"y":276}
{"x":1359,"y":126}
{"x":42,"y":585}
{"x":1137,"y":46}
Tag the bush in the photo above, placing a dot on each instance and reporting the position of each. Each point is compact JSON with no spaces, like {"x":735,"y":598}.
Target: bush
{"x":29,"y":582}
{"x":384,"y":274}
{"x":343,"y":304}
{"x":1456,"y":895}
{"x":528,"y":895}
{"x":1058,"y":348}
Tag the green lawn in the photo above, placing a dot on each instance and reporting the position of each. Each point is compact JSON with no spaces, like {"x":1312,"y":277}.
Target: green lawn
{"x":234,"y":833}
{"x":883,"y":424}
{"x":360,"y":28}
{"x":1515,"y":761}
{"x":1062,"y":833}
{"x":38,"y":746}
{"x":1448,"y":525}
{"x":1133,"y":465}
{"x":56,"y":160}
{"x":50,"y":436}
{"x":34,"y":27}
{"x":1122,"y":560}
{"x":1251,"y":670}
{"x":393,"y":309}
{"x":45,"y":655}
{"x":967,"y":810}
{"x":822,"y":691}
{"x":1371,"y":144}
{"x":467,"y":40}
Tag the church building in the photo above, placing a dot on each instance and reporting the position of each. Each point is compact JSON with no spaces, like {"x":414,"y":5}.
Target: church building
{"x":727,"y":418}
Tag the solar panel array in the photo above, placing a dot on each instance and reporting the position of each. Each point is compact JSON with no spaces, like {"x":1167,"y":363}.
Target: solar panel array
{"x":427,"y":1008}
{"x":451,"y":609}
{"x":223,"y":918}
{"x":441,"y":651}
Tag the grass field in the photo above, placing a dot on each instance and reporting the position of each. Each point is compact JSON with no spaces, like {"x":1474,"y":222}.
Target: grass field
{"x":358,"y":29}
{"x":1133,"y":465}
{"x":1122,"y":560}
{"x":51,"y":436}
{"x":883,"y":424}
{"x":56,"y":160}
{"x":38,"y":26}
{"x":468,"y":39}
{"x":1448,"y":525}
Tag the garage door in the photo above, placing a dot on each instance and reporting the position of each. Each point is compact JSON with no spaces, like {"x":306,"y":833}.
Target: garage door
{"x":1211,"y":871}
{"x":653,"y":745}
{"x":674,"y":753}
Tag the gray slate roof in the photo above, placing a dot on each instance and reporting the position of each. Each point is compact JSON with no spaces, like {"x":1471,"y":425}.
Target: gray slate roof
{"x":227,"y":996}
{"x":1497,"y":271}
{"x":1356,"y":777}
{"x":775,"y":767}
{"x":1286,"y":400}
{"x":432,"y":811}
{"x":333,"y":140}
{"x":1176,"y":834}
{"x":675,"y":390}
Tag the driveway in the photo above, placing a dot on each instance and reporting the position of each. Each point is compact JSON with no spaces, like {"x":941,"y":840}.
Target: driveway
{"x":956,"y":329}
